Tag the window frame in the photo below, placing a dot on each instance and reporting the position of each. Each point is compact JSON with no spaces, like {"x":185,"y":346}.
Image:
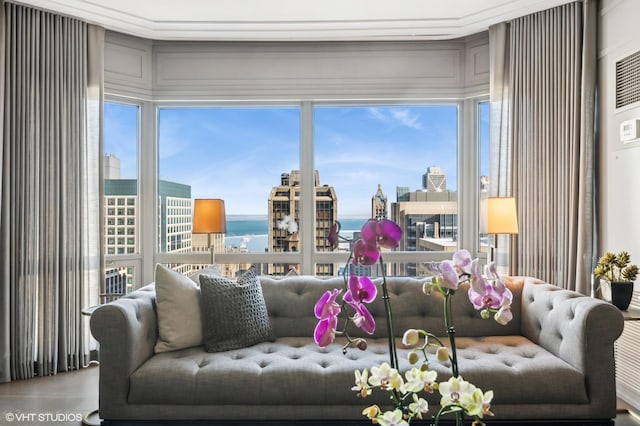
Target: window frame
{"x":124,"y":260}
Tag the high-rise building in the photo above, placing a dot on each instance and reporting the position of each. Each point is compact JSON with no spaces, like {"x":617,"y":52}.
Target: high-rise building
{"x":121,"y":215}
{"x":284,"y":206}
{"x":116,"y":281}
{"x":428,"y":221}
{"x":402,"y":193}
{"x":434,"y":180}
{"x":111,"y":167}
{"x":121,"y":227}
{"x":379,"y":205}
{"x":175,"y":206}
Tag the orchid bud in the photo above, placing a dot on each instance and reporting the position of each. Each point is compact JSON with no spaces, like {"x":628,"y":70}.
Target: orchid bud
{"x":361,"y":344}
{"x":427,"y":287}
{"x":413,"y":357}
{"x":411,"y":337}
{"x":442,"y":354}
{"x":503,"y":316}
{"x":485,"y":314}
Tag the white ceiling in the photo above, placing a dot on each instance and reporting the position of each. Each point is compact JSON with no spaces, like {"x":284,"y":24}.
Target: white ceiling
{"x":288,"y":20}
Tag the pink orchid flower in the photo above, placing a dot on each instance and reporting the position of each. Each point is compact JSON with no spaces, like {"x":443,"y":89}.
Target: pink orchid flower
{"x":487,"y":299}
{"x":462,"y":260}
{"x":449,"y":275}
{"x":325,"y":332}
{"x":361,"y":290}
{"x":385,"y":233}
{"x":327,"y":306}
{"x":365,"y":253}
{"x":333,"y":237}
{"x":363,"y":318}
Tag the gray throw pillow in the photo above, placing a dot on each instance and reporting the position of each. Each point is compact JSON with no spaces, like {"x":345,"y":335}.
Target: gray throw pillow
{"x":234,"y":314}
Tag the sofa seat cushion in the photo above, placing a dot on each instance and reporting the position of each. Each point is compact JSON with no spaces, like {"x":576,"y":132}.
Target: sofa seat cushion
{"x":516,"y":369}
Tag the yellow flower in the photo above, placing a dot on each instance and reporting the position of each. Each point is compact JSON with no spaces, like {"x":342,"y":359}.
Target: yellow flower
{"x":371,"y":412}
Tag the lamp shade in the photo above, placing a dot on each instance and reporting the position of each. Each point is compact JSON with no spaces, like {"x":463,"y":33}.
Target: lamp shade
{"x":501,"y":215}
{"x":209,"y":216}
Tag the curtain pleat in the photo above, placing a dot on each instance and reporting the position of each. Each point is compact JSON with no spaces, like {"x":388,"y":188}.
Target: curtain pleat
{"x":5,"y":295}
{"x":545,"y":148}
{"x":50,"y":255}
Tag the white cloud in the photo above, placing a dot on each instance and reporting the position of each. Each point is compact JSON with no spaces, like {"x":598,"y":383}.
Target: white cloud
{"x":406,"y":118}
{"x":379,"y":114}
{"x":397,"y":116}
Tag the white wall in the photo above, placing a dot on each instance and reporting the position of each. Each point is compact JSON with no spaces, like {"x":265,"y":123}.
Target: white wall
{"x":619,"y":163}
{"x":619,"y":170}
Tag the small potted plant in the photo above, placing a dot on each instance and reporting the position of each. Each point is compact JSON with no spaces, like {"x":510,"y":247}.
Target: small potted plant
{"x":617,"y":270}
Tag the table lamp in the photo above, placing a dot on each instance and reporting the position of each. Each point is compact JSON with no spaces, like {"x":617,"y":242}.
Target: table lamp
{"x":209,"y":218}
{"x":501,"y":218}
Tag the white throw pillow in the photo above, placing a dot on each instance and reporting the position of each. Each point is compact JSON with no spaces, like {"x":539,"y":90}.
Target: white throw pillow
{"x":178,"y":310}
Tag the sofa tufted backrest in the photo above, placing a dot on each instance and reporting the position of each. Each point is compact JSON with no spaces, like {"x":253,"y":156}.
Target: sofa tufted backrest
{"x":290,"y":302}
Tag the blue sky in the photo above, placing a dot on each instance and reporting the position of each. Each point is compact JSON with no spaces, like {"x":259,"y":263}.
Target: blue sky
{"x":238,"y":154}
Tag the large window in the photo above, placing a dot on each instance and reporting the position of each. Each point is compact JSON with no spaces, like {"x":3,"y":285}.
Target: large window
{"x":248,"y":157}
{"x":121,"y":207}
{"x":392,"y":161}
{"x":286,"y":173}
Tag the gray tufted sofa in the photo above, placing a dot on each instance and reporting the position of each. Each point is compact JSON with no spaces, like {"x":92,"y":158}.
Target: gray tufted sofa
{"x":555,"y":360}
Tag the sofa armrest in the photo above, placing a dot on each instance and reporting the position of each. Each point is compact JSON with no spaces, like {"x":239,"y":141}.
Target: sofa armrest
{"x":127,"y":332}
{"x":579,"y":329}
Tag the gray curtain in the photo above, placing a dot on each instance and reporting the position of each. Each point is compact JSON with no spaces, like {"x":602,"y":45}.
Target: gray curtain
{"x":543,"y":89}
{"x":51,"y":99}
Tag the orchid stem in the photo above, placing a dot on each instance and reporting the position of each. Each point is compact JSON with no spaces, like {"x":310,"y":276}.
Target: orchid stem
{"x":451,"y":332}
{"x":393,"y":356}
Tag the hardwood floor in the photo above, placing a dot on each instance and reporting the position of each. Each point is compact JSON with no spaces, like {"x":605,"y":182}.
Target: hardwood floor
{"x":66,"y":398}
{"x":63,"y":399}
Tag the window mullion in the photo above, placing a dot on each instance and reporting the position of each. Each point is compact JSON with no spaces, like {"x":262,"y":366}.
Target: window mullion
{"x":468,"y":175}
{"x":148,"y":189}
{"x":307,"y":195}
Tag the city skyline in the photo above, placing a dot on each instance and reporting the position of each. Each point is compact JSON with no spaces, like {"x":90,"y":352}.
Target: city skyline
{"x":247,"y":149}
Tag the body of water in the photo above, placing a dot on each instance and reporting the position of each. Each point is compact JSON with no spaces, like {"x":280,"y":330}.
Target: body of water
{"x":251,"y":232}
